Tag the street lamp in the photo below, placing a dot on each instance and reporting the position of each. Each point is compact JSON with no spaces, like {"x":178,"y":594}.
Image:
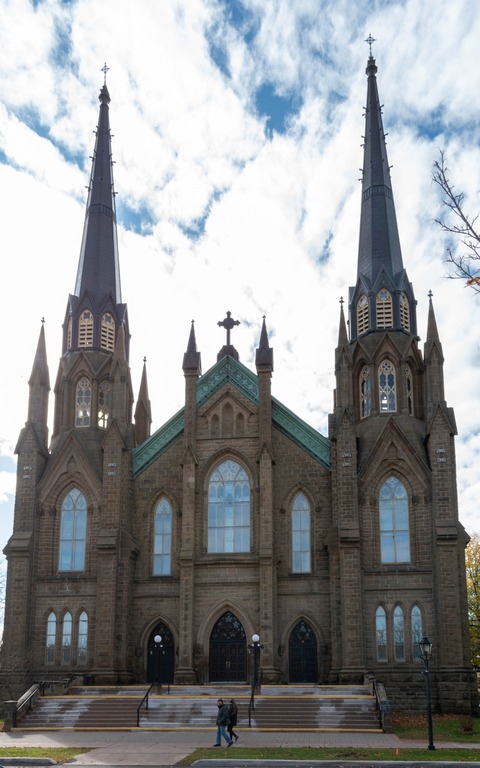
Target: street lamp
{"x":426,"y":648}
{"x":158,"y":645}
{"x":256,"y":660}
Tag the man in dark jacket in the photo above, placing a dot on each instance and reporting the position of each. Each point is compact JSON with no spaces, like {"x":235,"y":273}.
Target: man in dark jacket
{"x":222,"y":721}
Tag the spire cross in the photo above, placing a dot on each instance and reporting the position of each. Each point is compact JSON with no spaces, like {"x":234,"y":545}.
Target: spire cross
{"x":105,"y":69}
{"x":370,"y":40}
{"x":228,"y":323}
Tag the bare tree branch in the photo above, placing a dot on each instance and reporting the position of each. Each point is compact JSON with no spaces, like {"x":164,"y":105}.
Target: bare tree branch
{"x":464,"y":256}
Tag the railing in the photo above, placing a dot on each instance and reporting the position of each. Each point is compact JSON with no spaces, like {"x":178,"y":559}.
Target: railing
{"x":13,"y":710}
{"x":382,"y":703}
{"x":143,"y":701}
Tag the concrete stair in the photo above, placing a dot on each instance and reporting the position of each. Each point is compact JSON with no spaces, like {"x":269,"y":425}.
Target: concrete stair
{"x":303,"y":708}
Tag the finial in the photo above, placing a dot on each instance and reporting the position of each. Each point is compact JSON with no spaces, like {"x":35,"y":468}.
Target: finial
{"x":228,"y":323}
{"x":144,"y":360}
{"x":430,"y":294}
{"x":43,"y":320}
{"x":341,"y":301}
{"x":370,"y":40}
{"x":105,"y":69}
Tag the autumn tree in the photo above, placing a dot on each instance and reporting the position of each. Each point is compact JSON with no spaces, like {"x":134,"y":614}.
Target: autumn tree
{"x":463,"y":254}
{"x":472,"y":560}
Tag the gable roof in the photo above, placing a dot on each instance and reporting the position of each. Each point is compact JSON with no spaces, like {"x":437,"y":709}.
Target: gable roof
{"x":228,"y":370}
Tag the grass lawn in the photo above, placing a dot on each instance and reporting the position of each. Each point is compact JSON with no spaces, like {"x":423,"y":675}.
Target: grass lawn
{"x":59,"y":754}
{"x":344,"y":753}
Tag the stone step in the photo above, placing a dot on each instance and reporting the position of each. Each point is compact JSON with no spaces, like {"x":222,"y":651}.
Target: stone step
{"x":109,"y":707}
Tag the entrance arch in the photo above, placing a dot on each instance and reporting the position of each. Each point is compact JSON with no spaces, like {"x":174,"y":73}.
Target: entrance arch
{"x":161,"y":658}
{"x":228,"y":651}
{"x":302,"y":654}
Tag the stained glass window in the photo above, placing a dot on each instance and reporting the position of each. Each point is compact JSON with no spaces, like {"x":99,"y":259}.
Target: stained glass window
{"x":229,"y":509}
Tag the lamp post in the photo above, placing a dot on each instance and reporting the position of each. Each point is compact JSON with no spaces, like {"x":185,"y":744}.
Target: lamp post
{"x":158,"y":645}
{"x":426,"y":648}
{"x":256,"y":661}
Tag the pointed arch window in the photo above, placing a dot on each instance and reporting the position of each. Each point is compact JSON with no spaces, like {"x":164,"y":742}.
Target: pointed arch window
{"x":384,"y":306}
{"x":404,"y":312}
{"x":85,"y":329}
{"x":229,"y":509}
{"x":73,"y":531}
{"x":69,"y":334}
{"x":67,"y":638}
{"x":387,"y":387}
{"x":51,"y":638}
{"x":409,"y":386}
{"x":365,"y":392}
{"x":301,"y":537}
{"x":162,"y":547}
{"x":107,"y":335}
{"x":399,"y":633}
{"x":104,"y":400}
{"x":394,"y":523}
{"x":381,"y":633}
{"x":417,"y":631}
{"x":83,"y":403}
{"x":82,"y":638}
{"x":362,"y":314}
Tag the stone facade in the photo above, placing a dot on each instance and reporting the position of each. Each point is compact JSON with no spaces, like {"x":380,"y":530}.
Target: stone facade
{"x":121,"y":536}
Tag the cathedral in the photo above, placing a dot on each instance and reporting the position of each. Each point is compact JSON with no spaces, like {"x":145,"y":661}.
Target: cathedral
{"x":138,"y":557}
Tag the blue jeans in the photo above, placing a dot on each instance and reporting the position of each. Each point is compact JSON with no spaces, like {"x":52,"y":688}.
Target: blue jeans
{"x":220,"y":733}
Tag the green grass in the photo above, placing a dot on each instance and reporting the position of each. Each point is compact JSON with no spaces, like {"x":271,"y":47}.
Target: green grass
{"x":59,"y":754}
{"x":445,"y":727}
{"x":324,"y":753}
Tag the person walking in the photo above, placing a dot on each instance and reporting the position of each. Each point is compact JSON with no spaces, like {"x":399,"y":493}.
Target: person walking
{"x":222,"y":721}
{"x":233,"y":715}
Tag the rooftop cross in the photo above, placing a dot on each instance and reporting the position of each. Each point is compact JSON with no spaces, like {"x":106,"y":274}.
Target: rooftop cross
{"x":105,"y":69}
{"x":370,"y":40}
{"x":228,"y":323}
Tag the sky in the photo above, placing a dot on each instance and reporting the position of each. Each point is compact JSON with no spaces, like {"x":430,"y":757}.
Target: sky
{"x":237,"y":130}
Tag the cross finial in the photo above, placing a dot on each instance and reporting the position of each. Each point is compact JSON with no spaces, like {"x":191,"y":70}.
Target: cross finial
{"x":228,"y":324}
{"x":430,"y":294}
{"x":105,"y":69}
{"x":370,"y":40}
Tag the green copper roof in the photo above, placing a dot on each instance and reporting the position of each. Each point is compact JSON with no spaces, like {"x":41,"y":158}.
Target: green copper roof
{"x":245,"y":381}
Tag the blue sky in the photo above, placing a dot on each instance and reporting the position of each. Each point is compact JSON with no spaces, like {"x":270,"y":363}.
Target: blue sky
{"x":237,"y":145}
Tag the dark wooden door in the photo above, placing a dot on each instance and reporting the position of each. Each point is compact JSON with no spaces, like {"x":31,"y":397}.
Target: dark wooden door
{"x":302,"y":649}
{"x":161,"y":656}
{"x":228,"y":651}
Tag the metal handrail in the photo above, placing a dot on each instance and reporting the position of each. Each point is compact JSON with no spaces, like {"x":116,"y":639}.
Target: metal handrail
{"x":145,"y":699}
{"x":251,"y":705}
{"x":27,"y":699}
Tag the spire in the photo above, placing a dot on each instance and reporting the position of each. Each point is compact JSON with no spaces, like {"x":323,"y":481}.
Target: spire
{"x":383,"y":297}
{"x":39,"y":384}
{"x":191,"y":359}
{"x":264,"y":354}
{"x":379,"y":245}
{"x":342,"y":328}
{"x":143,"y":411}
{"x":98,"y":269}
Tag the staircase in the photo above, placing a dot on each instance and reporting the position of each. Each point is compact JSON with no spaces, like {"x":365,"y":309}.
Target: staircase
{"x":287,"y":708}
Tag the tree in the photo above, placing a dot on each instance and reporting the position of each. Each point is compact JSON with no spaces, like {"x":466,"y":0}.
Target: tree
{"x":472,"y":561}
{"x":463,"y":256}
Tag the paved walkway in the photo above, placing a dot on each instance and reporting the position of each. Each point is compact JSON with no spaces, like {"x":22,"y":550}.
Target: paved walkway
{"x":148,"y":748}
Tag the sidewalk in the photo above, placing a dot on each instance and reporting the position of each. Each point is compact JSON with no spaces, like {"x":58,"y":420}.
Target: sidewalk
{"x":165,"y":748}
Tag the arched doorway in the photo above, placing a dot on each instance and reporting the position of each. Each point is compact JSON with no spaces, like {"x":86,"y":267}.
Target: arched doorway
{"x":302,"y":654}
{"x":161,"y":657}
{"x":228,"y":651}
